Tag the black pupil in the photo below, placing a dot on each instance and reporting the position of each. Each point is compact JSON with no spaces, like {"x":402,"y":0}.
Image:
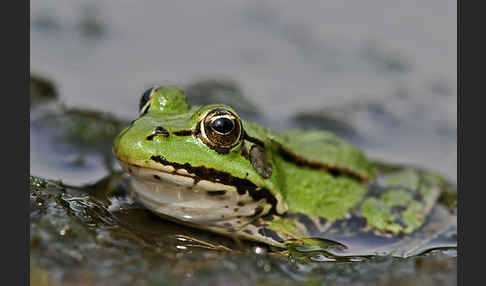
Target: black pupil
{"x":222,"y":125}
{"x":145,"y":98}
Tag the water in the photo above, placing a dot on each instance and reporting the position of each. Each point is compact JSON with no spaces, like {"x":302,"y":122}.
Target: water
{"x":74,"y":240}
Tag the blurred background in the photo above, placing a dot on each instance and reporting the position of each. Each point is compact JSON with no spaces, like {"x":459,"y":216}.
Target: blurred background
{"x":381,"y":73}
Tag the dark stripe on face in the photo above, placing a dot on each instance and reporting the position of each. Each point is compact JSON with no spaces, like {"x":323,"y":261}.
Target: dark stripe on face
{"x":182,"y":133}
{"x":203,"y":173}
{"x":216,"y":193}
{"x":333,"y":170}
{"x":254,"y":140}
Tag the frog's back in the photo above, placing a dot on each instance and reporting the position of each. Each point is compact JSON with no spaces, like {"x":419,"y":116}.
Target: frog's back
{"x":322,"y":149}
{"x":334,"y":192}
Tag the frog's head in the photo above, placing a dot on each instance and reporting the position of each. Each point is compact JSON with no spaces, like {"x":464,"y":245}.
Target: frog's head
{"x":196,"y":163}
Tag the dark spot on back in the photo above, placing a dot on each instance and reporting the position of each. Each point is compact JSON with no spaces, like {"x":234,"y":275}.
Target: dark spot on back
{"x":157,"y":177}
{"x":375,"y":190}
{"x":183,"y":133}
{"x":357,"y":222}
{"x":334,"y":172}
{"x":236,"y":210}
{"x":398,"y":209}
{"x":240,"y":204}
{"x":322,"y":221}
{"x":418,"y":196}
{"x":339,"y":224}
{"x":401,"y":222}
{"x":306,"y":221}
{"x":270,"y":233}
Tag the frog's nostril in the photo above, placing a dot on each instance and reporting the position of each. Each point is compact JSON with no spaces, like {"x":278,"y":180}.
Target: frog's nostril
{"x":158,"y":131}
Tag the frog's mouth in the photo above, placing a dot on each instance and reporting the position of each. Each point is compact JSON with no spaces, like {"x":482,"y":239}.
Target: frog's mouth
{"x":185,"y":196}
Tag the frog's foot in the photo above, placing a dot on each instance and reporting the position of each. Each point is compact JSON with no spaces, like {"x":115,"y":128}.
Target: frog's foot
{"x":273,"y":229}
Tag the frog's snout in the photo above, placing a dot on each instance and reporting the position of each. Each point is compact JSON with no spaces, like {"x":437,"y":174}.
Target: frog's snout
{"x":128,"y":144}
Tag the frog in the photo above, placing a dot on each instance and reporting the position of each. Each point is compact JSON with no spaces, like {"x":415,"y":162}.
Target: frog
{"x":208,"y":168}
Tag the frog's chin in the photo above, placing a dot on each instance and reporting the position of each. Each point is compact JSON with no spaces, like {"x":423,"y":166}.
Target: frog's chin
{"x":185,"y":197}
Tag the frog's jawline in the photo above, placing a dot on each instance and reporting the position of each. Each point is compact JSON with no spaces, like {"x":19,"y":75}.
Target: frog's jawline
{"x":242,"y":186}
{"x":177,"y":194}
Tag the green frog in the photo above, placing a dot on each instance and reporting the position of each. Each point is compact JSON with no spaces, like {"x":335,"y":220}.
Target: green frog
{"x":205,"y":167}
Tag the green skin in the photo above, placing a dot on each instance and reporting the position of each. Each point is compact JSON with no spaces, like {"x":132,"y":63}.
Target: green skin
{"x":305,"y":180}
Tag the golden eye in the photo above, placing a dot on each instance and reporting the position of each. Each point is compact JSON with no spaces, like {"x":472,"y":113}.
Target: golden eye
{"x":221,"y":129}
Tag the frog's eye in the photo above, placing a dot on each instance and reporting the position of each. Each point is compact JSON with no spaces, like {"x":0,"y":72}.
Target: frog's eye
{"x":221,"y":129}
{"x":144,"y":105}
